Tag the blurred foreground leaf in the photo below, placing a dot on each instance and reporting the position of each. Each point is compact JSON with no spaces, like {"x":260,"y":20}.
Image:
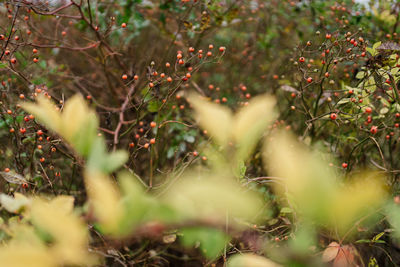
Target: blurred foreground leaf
{"x":213,"y":197}
{"x":250,"y":260}
{"x":317,"y":194}
{"x":211,"y":241}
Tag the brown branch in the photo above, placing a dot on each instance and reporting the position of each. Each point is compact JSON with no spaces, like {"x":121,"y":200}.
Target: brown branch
{"x":121,"y":116}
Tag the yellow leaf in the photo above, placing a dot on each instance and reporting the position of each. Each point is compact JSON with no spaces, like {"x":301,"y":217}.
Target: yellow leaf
{"x":75,"y":116}
{"x":313,"y":188}
{"x":212,"y":198}
{"x":64,"y":203}
{"x":24,"y":254}
{"x":104,"y":197}
{"x":363,"y":195}
{"x":14,"y":204}
{"x":214,"y":118}
{"x":45,"y":111}
{"x":304,"y":177}
{"x":68,"y":231}
{"x":250,"y":260}
{"x":77,"y":124}
{"x":250,"y":123}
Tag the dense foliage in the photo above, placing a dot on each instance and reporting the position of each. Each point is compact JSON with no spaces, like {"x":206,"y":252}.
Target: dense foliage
{"x":199,"y":133}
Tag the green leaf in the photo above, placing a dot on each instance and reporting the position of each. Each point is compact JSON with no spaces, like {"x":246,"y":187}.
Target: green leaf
{"x":378,"y":236}
{"x":153,"y":106}
{"x":99,"y":159}
{"x":211,"y":241}
{"x":360,"y":75}
{"x":115,"y":160}
{"x":286,"y":210}
{"x":371,"y":51}
{"x":384,"y":110}
{"x":189,"y":138}
{"x":343,"y":101}
{"x":373,"y":262}
{"x":397,"y":107}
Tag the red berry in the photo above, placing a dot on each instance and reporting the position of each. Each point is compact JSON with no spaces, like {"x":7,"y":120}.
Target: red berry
{"x":344,"y":165}
{"x":374,"y":129}
{"x":333,"y":116}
